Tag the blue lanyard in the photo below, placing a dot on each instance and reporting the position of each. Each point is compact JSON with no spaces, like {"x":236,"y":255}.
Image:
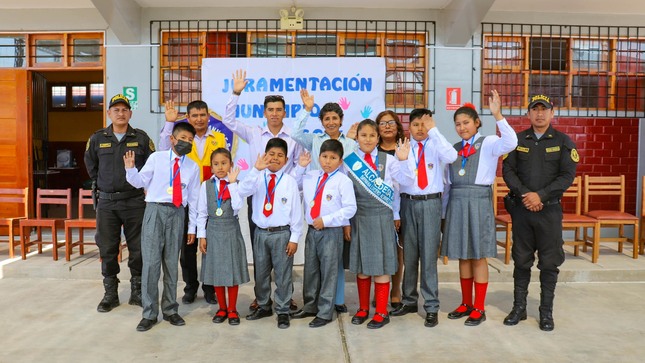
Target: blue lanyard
{"x":464,"y":159}
{"x":320,"y":187}
{"x":219,"y":198}
{"x":266,"y":184}
{"x":172,"y":177}
{"x":423,"y":151}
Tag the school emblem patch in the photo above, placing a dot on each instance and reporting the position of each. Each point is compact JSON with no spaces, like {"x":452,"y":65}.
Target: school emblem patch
{"x":430,"y":166}
{"x":284,"y":200}
{"x":328,"y":197}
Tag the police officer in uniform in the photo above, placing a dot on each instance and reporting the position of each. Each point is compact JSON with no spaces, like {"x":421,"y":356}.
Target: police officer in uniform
{"x":538,"y":172}
{"x":119,"y":203}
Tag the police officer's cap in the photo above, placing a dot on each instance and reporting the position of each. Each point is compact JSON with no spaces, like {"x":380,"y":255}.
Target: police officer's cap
{"x":119,"y":99}
{"x":544,"y":100}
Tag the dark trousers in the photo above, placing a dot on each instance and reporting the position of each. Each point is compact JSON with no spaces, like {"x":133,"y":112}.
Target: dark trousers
{"x":108,"y":239}
{"x":537,"y":231}
{"x":188,"y":262}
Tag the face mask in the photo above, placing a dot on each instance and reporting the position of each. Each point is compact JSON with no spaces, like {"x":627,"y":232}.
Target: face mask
{"x":183,"y":147}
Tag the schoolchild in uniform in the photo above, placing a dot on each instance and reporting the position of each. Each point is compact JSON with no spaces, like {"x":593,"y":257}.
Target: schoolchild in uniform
{"x":172,"y":183}
{"x":421,"y":215}
{"x":470,"y":224}
{"x":373,"y":246}
{"x":220,"y":239}
{"x":277,"y":213}
{"x":329,"y":204}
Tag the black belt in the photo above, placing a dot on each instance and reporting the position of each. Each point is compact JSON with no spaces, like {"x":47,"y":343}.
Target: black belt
{"x":275,"y":229}
{"x":120,"y":195}
{"x":421,"y":197}
{"x":167,"y":204}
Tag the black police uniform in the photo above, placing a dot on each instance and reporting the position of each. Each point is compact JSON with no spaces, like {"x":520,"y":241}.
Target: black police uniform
{"x":546,"y":166}
{"x":120,"y":204}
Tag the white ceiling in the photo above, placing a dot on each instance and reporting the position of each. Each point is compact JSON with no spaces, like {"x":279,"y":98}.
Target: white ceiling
{"x":633,"y":7}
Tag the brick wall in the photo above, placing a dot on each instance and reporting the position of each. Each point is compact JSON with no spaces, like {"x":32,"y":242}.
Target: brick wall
{"x":607,"y":146}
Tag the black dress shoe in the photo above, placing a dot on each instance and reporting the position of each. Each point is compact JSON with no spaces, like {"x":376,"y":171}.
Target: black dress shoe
{"x":233,"y":318}
{"x":259,"y":313}
{"x":220,"y":316}
{"x":396,"y":305}
{"x":283,"y":321}
{"x":358,"y":320}
{"x":210,"y":297}
{"x":340,"y":308}
{"x":188,"y":298}
{"x":476,"y":321}
{"x":318,"y":322}
{"x":146,"y":324}
{"x":404,"y":309}
{"x":301,"y":314}
{"x":546,"y":323}
{"x":174,"y":319}
{"x":292,"y":305}
{"x":432,"y":319}
{"x":515,"y":316}
{"x":373,"y":324}
{"x":456,"y":314}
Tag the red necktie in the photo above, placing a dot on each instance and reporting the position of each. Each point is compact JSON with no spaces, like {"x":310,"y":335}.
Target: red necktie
{"x":466,"y":151}
{"x":176,"y":184}
{"x":369,"y":161}
{"x":226,"y":195}
{"x":315,"y":210}
{"x":270,"y":193}
{"x":422,"y":178}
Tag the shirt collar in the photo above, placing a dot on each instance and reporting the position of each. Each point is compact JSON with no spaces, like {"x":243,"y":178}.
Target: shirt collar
{"x":285,"y":131}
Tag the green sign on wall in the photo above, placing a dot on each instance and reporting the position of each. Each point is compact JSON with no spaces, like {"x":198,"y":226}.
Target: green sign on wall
{"x":132,"y":95}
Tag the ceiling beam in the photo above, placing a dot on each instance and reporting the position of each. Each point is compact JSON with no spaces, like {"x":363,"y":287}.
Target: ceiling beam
{"x":461,"y":19}
{"x":123,"y":18}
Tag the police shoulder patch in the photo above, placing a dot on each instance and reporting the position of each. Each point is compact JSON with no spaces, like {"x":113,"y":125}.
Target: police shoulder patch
{"x":575,"y":156}
{"x":87,"y":146}
{"x":504,"y":156}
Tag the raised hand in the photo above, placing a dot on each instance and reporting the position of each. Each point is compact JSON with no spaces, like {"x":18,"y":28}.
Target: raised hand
{"x":428,"y":121}
{"x":495,"y":105}
{"x":343,"y":103}
{"x":262,"y":162}
{"x":232,"y":174}
{"x":403,"y":149}
{"x":353,"y":131}
{"x":307,"y":99}
{"x":128,"y":159}
{"x":304,"y":159}
{"x":239,"y":81}
{"x":366,"y":112}
{"x":171,"y":112}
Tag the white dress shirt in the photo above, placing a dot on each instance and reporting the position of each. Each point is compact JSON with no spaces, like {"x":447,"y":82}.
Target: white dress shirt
{"x":258,"y":137}
{"x":438,"y":152}
{"x":287,"y":206}
{"x":397,"y":174}
{"x":155,"y":178}
{"x":338,"y":203}
{"x":202,"y":204}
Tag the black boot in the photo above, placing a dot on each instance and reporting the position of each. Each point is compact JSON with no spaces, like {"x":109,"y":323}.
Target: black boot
{"x":519,"y":308}
{"x":111,"y":298}
{"x":135,"y":291}
{"x":547,"y":295}
{"x":521,"y":279}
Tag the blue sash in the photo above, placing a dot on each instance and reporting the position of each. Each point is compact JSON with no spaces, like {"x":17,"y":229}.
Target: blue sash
{"x":366,"y":177}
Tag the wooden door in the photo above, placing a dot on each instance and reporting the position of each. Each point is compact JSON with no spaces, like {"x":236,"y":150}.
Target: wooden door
{"x":15,"y":140}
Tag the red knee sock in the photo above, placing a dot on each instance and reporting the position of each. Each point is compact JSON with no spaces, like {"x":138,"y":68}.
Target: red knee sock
{"x":381,"y":292}
{"x":364,"y":286}
{"x":480,"y":298}
{"x":232,"y":298}
{"x":221,"y":297}
{"x":466,"y":294}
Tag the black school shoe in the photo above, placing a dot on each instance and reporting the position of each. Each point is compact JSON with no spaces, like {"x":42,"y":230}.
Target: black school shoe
{"x":259,"y":313}
{"x":340,"y":308}
{"x":455,"y":314}
{"x":378,"y":324}
{"x":476,"y":321}
{"x":318,"y":322}
{"x":283,"y":321}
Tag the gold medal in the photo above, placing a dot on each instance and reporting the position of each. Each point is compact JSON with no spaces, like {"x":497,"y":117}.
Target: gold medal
{"x":378,"y":181}
{"x":169,"y":190}
{"x":219,"y":212}
{"x":462,"y":172}
{"x":268,"y":207}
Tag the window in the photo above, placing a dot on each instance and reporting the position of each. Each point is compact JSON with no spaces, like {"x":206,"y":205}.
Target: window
{"x":12,"y":51}
{"x":182,"y":47}
{"x":585,"y":70}
{"x":76,"y":97}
